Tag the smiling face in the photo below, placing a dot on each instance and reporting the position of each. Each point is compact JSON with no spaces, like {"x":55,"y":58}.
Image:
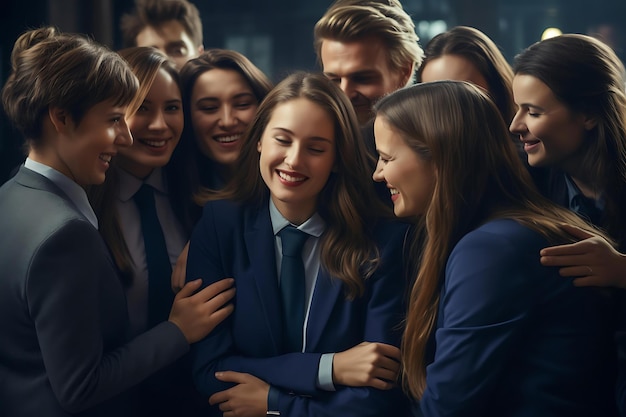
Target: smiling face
{"x":222,"y":106}
{"x":297,"y":156}
{"x":156,"y":128}
{"x":361,"y":68}
{"x":409,"y":177}
{"x":170,"y":38}
{"x":83,"y":151}
{"x":552,"y":134}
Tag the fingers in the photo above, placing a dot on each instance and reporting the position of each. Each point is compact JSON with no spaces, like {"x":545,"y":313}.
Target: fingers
{"x":576,"y":271}
{"x":180,"y":270}
{"x":210,"y":291}
{"x":591,"y":281}
{"x":188,"y":289}
{"x":218,"y":397}
{"x":219,"y":312}
{"x":571,"y":249}
{"x":563,"y":260}
{"x":388,"y":350}
{"x":232,"y":376}
{"x":576,"y":231}
{"x":178,"y":278}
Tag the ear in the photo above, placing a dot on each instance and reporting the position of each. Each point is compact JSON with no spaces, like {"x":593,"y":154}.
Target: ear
{"x":590,"y":122}
{"x":200,"y":49}
{"x":258,"y":146}
{"x":60,"y":119}
{"x":406,"y":74}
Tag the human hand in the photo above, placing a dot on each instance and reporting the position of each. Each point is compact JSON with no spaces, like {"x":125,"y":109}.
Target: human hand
{"x":367,"y":364}
{"x":593,"y":260}
{"x":179,"y":272}
{"x":198,"y":314}
{"x":246,"y":399}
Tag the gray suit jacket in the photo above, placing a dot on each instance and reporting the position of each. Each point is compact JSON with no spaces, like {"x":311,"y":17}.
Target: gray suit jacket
{"x":63,"y":315}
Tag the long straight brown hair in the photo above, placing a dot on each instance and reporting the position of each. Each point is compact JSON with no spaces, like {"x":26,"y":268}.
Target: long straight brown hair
{"x":479,"y":176}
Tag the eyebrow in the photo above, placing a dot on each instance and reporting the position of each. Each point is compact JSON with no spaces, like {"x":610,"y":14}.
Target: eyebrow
{"x":381,"y":152}
{"x":315,"y":138}
{"x":534,"y":106}
{"x":235,"y":97}
{"x":362,"y":73}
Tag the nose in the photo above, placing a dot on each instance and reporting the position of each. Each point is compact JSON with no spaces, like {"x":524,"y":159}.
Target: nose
{"x":293,"y":155}
{"x":347,"y":87}
{"x":517,"y":126}
{"x":158,"y":121}
{"x":378,"y":172}
{"x":227,"y":118}
{"x":124,"y":137}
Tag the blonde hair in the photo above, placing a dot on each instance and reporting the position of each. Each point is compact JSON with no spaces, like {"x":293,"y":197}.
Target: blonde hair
{"x":350,"y":20}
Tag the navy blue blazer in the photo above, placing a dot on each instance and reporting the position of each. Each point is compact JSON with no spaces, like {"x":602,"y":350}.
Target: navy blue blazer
{"x":514,"y":338}
{"x":64,"y":348}
{"x":237,"y":241}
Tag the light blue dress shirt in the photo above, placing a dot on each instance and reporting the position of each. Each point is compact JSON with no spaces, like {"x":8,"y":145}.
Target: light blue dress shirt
{"x":314,"y":227}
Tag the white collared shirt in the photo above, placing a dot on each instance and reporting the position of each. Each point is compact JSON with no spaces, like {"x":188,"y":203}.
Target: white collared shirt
{"x":71,"y":188}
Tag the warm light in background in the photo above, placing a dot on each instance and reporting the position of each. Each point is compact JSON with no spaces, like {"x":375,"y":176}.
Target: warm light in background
{"x":551,"y":33}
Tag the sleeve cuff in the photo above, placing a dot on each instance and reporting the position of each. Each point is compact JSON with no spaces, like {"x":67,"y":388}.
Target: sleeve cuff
{"x":325,"y":372}
{"x":272,"y":402}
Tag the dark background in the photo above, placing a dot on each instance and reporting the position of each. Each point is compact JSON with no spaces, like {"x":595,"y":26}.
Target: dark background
{"x":277,"y":34}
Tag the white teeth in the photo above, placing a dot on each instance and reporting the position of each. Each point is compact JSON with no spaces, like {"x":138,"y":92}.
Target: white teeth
{"x":155,"y":143}
{"x":227,"y":139}
{"x":393,"y":191}
{"x":105,"y":157}
{"x":289,"y":178}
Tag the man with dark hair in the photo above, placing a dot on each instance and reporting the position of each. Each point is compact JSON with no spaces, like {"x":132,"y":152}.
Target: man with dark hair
{"x":173,"y":26}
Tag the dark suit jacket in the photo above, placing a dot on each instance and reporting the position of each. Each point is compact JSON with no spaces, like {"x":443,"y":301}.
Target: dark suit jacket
{"x":237,"y":241}
{"x":514,"y":338}
{"x":63,"y":315}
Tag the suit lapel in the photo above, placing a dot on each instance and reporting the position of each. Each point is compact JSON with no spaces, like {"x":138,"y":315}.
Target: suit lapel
{"x":327,"y":292}
{"x":259,"y":240}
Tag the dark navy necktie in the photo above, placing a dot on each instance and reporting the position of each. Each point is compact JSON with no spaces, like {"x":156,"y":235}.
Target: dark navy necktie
{"x":160,"y":294}
{"x":292,"y":285}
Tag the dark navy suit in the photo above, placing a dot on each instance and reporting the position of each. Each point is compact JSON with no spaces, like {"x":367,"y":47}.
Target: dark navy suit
{"x":514,"y":338}
{"x":237,"y":241}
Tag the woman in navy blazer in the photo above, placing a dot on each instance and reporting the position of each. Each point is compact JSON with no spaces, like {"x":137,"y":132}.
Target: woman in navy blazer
{"x":63,"y":319}
{"x":489,"y":330}
{"x":306,"y":145}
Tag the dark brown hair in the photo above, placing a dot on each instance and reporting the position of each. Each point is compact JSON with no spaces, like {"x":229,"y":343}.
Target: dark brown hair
{"x":68,"y":71}
{"x":347,"y":203}
{"x":156,"y":12}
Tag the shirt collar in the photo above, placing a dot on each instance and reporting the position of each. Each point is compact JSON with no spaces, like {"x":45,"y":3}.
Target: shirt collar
{"x":314,"y":226}
{"x":574,"y":195}
{"x":129,"y":184}
{"x":71,"y":188}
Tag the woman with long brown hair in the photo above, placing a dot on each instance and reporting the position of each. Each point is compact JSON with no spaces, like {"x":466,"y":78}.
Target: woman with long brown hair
{"x":489,"y":330}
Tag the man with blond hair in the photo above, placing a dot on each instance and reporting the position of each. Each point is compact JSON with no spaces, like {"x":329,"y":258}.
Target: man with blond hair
{"x":369,"y":47}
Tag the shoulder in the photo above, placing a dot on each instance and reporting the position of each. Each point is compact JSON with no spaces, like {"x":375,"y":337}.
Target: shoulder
{"x":502,"y":244}
{"x":500,"y":234}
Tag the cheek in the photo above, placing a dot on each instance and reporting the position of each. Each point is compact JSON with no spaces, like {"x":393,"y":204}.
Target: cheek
{"x":176,"y":124}
{"x":201,"y":122}
{"x":247,"y":116}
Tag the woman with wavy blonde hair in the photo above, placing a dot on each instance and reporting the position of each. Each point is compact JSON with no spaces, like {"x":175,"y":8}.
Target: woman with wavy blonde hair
{"x":489,"y":330}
